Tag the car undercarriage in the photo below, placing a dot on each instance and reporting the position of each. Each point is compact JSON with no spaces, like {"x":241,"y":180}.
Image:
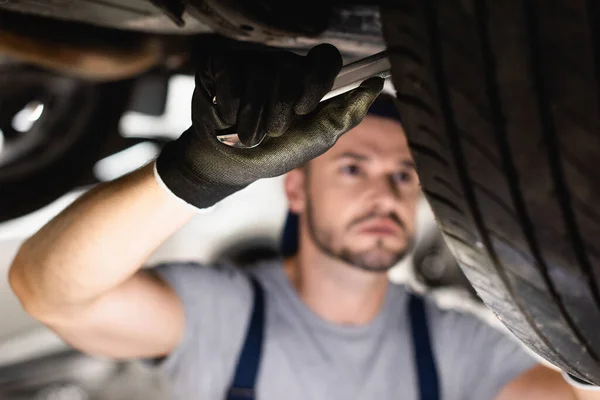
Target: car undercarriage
{"x":499,"y":100}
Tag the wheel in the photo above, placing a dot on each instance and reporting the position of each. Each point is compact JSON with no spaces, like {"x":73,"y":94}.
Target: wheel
{"x":52,"y":130}
{"x":500,"y":104}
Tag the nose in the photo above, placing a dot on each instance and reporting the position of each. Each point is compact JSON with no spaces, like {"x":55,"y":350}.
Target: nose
{"x":385,"y":193}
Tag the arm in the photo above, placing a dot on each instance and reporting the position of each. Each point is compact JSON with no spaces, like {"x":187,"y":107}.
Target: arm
{"x":78,"y":273}
{"x":544,"y":383}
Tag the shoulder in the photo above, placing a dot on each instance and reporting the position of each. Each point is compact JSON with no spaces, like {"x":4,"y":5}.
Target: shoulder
{"x":268,"y":273}
{"x":217,"y":301}
{"x":192,"y":272}
{"x":190,"y":278}
{"x":202,"y":286}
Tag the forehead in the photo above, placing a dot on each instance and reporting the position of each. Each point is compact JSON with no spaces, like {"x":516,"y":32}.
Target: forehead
{"x":377,"y":136}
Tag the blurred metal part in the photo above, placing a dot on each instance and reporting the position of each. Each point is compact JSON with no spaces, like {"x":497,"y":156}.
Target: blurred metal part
{"x":262,"y":20}
{"x":233,"y":140}
{"x":23,"y":120}
{"x":172,"y":122}
{"x":92,"y":60}
{"x":149,"y":94}
{"x":29,"y":103}
{"x":435,"y":266}
{"x":173,"y":9}
{"x":355,"y":29}
{"x":353,"y":74}
{"x":81,"y":377}
{"x":63,"y":145}
{"x":143,"y":16}
{"x":69,"y":366}
{"x":66,"y":391}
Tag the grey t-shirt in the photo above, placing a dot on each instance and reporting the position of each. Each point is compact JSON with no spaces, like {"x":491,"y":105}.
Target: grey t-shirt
{"x":307,"y":358}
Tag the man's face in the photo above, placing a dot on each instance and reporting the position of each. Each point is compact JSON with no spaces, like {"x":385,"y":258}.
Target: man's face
{"x":358,"y":200}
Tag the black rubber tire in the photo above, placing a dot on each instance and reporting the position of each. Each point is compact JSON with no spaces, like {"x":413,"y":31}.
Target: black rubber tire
{"x":500,"y":104}
{"x":75,"y":137}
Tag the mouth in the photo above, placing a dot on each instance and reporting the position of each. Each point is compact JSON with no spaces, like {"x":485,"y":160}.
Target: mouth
{"x":382,"y":227}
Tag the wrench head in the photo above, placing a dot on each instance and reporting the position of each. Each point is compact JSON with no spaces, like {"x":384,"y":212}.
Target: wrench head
{"x":233,"y":140}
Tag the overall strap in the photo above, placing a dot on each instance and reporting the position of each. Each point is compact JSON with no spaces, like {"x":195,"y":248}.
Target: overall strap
{"x":244,"y":380}
{"x":424,"y":358}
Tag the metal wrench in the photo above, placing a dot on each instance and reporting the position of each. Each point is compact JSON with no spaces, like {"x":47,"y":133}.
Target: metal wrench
{"x":350,"y":77}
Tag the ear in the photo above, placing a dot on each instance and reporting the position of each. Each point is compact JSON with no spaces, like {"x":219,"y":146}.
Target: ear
{"x":295,"y":190}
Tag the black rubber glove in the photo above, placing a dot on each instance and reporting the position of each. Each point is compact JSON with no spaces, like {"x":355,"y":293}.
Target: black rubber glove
{"x":270,"y":94}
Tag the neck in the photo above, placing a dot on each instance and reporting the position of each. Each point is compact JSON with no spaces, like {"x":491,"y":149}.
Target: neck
{"x":336,"y":291}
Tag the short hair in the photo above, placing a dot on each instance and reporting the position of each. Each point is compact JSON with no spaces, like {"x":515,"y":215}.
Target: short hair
{"x":385,"y":106}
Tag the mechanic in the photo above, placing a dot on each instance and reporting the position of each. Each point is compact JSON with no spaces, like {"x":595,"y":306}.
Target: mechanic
{"x":323,"y":324}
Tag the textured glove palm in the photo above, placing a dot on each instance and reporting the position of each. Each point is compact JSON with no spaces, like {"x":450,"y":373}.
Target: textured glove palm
{"x":274,"y":97}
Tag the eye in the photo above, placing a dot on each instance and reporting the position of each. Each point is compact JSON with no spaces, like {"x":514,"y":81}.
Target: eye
{"x":351,"y":170}
{"x":402,"y":177}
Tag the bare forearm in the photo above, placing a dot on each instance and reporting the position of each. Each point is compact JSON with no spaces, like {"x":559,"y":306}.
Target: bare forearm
{"x":544,"y":383}
{"x":98,"y":242}
{"x":581,"y":394}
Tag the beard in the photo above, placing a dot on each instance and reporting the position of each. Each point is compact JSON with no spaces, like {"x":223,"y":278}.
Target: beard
{"x":376,"y":259}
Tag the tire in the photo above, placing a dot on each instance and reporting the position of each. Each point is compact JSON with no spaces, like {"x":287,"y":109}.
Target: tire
{"x":500,"y":105}
{"x":58,"y":152}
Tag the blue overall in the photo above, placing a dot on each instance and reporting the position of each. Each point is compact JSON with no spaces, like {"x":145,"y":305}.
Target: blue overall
{"x":244,"y":381}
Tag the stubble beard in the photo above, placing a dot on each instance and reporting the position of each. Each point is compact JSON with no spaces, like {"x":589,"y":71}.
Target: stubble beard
{"x":368,"y":260}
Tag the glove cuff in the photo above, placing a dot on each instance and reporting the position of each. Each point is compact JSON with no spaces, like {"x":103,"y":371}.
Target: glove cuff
{"x":579,"y":383}
{"x":179,"y":199}
{"x":186,"y":182}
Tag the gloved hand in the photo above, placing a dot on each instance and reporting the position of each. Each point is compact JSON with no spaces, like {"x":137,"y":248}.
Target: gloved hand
{"x":272,"y":94}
